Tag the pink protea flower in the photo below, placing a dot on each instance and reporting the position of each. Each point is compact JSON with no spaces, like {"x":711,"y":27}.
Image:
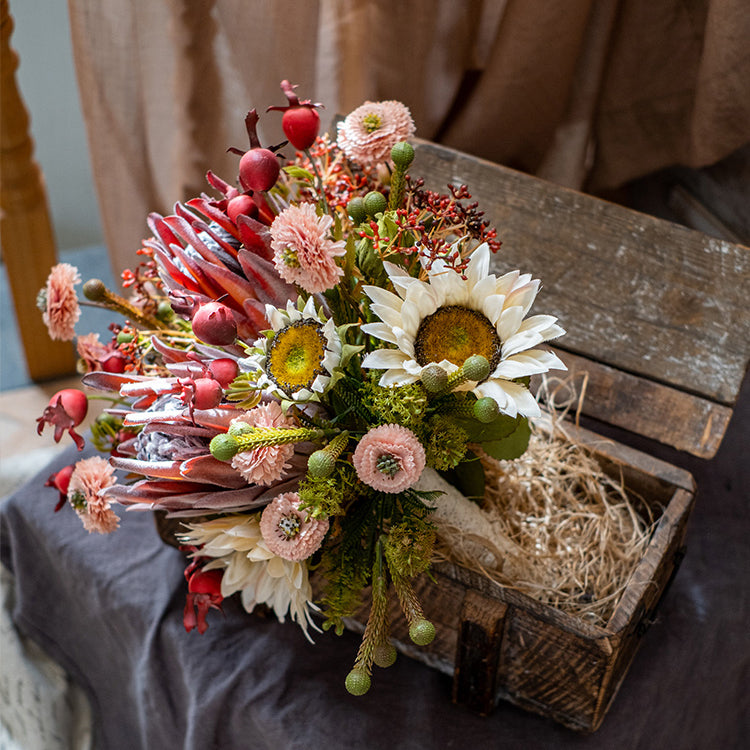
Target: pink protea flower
{"x":369,"y":133}
{"x":389,"y":458}
{"x":287,"y":531}
{"x":90,"y":478}
{"x":59,"y":302}
{"x":266,"y":465}
{"x":303,"y":253}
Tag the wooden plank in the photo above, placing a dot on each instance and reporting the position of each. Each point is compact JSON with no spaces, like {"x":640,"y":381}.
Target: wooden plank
{"x":25,"y":228}
{"x":647,"y":408}
{"x":634,"y":292}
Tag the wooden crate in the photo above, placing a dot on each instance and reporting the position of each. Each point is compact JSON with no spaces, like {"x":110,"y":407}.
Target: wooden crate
{"x":502,"y":644}
{"x":657,"y":328}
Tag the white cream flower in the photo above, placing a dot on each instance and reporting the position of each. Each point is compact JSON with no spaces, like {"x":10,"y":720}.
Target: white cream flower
{"x":237,"y":546}
{"x":449,"y":318}
{"x":297,"y":362}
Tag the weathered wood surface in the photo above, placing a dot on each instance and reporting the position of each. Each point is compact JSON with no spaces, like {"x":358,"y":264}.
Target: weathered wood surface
{"x":28,"y":244}
{"x":638,"y":294}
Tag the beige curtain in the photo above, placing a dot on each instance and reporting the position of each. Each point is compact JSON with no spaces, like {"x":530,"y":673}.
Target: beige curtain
{"x":587,"y":93}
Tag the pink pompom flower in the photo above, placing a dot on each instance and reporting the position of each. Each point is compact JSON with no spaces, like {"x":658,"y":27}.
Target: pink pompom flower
{"x":389,"y":458}
{"x":265,"y":465}
{"x":369,"y":133}
{"x":86,"y":493}
{"x":59,"y":302}
{"x":304,"y":254}
{"x":287,"y":530}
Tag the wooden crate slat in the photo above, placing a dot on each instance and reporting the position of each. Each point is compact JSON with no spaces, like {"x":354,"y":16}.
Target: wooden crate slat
{"x":634,"y":292}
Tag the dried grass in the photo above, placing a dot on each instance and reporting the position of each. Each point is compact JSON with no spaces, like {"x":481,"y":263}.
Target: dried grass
{"x":558,"y":528}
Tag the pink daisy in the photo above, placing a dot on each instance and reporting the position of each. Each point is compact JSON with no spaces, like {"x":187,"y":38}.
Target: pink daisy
{"x":369,"y":133}
{"x":303,"y":252}
{"x":287,"y":531}
{"x":60,"y":302}
{"x":389,"y":458}
{"x":264,"y":465}
{"x":90,"y":478}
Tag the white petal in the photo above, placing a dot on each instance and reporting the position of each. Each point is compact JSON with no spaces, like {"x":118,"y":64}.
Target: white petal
{"x":383,"y":297}
{"x":387,"y":314}
{"x":396,"y":377}
{"x":309,"y":310}
{"x":381,"y":331}
{"x":410,"y":318}
{"x":384,"y":359}
{"x":533,"y":362}
{"x":523,"y":296}
{"x":404,"y":341}
{"x":480,"y":291}
{"x":506,"y":283}
{"x":492,"y":307}
{"x":510,"y":320}
{"x":479,"y":265}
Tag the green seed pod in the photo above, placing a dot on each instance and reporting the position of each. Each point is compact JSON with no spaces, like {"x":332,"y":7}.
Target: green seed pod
{"x":357,"y":682}
{"x":94,"y":290}
{"x":476,"y":368}
{"x":486,"y":409}
{"x":224,"y":447}
{"x":356,"y":210}
{"x":321,"y":464}
{"x":374,"y":203}
{"x":124,"y":337}
{"x":402,"y":155}
{"x":239,"y":428}
{"x":164,"y":311}
{"x":434,"y":378}
{"x":384,"y":655}
{"x":422,"y":632}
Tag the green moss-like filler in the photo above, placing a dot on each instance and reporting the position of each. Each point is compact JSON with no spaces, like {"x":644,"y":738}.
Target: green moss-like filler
{"x":323,"y":497}
{"x":404,"y":405}
{"x":408,"y":547}
{"x":444,"y":443}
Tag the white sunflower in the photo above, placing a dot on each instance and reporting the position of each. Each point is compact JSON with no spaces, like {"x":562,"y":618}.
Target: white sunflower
{"x":237,"y":547}
{"x":298,"y":356}
{"x":449,"y":318}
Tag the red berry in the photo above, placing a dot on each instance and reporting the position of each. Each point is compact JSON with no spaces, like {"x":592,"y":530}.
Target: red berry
{"x":61,"y":479}
{"x":113,"y":362}
{"x":74,"y":403}
{"x":206,"y":582}
{"x":300,"y":126}
{"x":259,"y":169}
{"x":241,"y":205}
{"x":208,"y":393}
{"x":214,"y":324}
{"x":223,"y":370}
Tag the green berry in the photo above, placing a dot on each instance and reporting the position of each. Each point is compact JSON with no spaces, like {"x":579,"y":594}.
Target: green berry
{"x":224,"y":447}
{"x":486,"y":409}
{"x":356,"y":210}
{"x":402,"y":155}
{"x":476,"y":368}
{"x":374,"y":203}
{"x":422,"y":632}
{"x":124,"y":337}
{"x":164,"y":311}
{"x":434,"y":378}
{"x":358,"y":682}
{"x":321,"y":464}
{"x":239,"y":428}
{"x":384,"y":655}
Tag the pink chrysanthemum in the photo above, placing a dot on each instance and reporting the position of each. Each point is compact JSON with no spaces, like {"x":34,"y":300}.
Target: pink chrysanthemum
{"x":91,"y":350}
{"x":90,"y":478}
{"x":287,"y":531}
{"x":389,"y":458}
{"x":369,"y":133}
{"x":60,"y":310}
{"x":266,"y":465}
{"x":303,"y":253}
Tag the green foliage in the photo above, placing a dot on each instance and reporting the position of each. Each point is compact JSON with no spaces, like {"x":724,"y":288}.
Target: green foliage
{"x":467,"y":477}
{"x":513,"y":445}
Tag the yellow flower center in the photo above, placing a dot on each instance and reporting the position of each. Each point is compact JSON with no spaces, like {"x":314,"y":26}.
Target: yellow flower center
{"x":456,"y":333}
{"x":371,"y":122}
{"x":295,"y":355}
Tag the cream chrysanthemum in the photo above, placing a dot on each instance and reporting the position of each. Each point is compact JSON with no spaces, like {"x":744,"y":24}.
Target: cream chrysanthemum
{"x":368,"y":134}
{"x":298,"y":360}
{"x":449,"y":318}
{"x":237,"y":547}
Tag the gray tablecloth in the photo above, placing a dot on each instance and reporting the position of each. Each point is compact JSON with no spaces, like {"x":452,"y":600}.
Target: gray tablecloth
{"x":109,"y":609}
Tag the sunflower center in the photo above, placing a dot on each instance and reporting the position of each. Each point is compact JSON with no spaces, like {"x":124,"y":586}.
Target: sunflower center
{"x":456,"y":333}
{"x":371,"y":122}
{"x":289,"y":526}
{"x":295,"y":355}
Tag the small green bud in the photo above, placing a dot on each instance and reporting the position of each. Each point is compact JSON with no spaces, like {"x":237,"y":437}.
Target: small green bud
{"x":124,"y":337}
{"x":374,"y":203}
{"x":384,"y":655}
{"x":476,"y":368}
{"x":164,"y":311}
{"x":422,"y":632}
{"x":434,"y":378}
{"x":94,"y":290}
{"x":402,"y":155}
{"x":358,"y":682}
{"x":224,"y":447}
{"x":239,"y":428}
{"x":356,"y":210}
{"x":321,"y":464}
{"x":486,"y":409}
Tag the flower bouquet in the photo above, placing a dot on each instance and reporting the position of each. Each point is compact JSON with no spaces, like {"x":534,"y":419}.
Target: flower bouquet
{"x":311,"y":363}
